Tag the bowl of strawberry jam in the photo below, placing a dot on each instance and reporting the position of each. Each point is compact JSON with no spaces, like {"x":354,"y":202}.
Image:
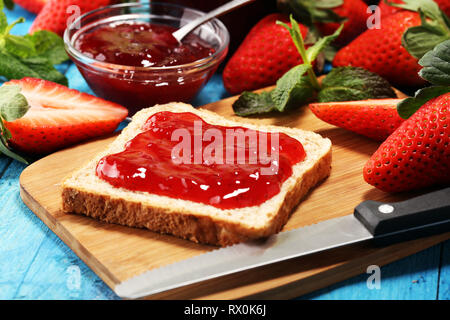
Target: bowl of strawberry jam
{"x":127,"y":53}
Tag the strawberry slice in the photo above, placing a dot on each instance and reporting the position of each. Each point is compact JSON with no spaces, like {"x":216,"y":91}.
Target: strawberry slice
{"x":375,"y":118}
{"x":59,"y":116}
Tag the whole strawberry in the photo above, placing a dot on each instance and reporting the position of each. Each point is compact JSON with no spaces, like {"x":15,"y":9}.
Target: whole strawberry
{"x":56,"y":14}
{"x":381,"y":51}
{"x":375,"y":118}
{"x":387,"y":10}
{"x":34,"y":6}
{"x":355,"y":11}
{"x":417,"y":154}
{"x":264,"y":56}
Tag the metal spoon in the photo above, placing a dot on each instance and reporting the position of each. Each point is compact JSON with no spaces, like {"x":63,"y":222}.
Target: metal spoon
{"x":227,"y":7}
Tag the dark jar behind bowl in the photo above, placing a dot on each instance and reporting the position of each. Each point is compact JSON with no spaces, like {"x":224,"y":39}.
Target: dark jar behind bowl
{"x":140,"y":87}
{"x":238,"y":22}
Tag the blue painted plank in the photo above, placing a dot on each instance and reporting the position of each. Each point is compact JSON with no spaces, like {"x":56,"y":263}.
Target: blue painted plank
{"x":444,"y":274}
{"x":57,"y":273}
{"x":4,"y":163}
{"x":411,"y":278}
{"x":21,"y":231}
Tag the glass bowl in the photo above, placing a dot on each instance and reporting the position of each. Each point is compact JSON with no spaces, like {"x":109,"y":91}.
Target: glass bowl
{"x":141,"y":87}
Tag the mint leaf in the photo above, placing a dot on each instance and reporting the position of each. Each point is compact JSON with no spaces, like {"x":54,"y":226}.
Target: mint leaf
{"x":250,"y":103}
{"x":436,"y":65}
{"x":31,"y":55}
{"x":45,"y":70}
{"x":19,"y":46}
{"x":313,"y":51}
{"x":350,"y":83}
{"x":409,"y":106}
{"x":292,"y":88}
{"x":3,"y":19}
{"x":9,"y":4}
{"x":13,"y":104}
{"x":12,"y":68}
{"x":49,"y":45}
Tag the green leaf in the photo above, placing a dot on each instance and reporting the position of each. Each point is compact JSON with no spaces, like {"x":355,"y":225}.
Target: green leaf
{"x":5,"y":150}
{"x":313,"y":51}
{"x":292,"y":88}
{"x":3,"y":19}
{"x":250,"y":103}
{"x":350,"y":83}
{"x":409,"y":106}
{"x":312,"y":11}
{"x":419,"y":40}
{"x":49,"y":45}
{"x":19,"y":46}
{"x":9,"y":4}
{"x":45,"y":69}
{"x":36,"y":67}
{"x":13,"y":104}
{"x":12,"y":68}
{"x":436,"y":65}
{"x":429,"y":7}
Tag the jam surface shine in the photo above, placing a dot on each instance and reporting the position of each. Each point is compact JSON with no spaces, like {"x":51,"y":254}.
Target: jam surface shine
{"x":141,"y":45}
{"x":147,"y":163}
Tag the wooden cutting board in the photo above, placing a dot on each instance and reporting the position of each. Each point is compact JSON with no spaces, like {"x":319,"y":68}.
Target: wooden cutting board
{"x":117,"y":253}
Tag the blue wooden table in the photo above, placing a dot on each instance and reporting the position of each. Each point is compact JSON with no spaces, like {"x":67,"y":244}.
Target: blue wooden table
{"x":36,"y":264}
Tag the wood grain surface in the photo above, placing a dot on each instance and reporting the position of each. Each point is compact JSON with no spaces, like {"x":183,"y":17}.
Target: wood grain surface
{"x":117,"y":253}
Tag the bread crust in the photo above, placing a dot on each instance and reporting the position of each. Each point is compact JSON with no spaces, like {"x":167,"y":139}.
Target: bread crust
{"x":180,"y":220}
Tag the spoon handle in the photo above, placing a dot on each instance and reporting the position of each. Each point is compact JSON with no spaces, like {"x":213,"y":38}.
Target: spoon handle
{"x":227,"y":7}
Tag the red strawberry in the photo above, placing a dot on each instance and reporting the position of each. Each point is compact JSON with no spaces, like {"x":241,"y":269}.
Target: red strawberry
{"x":381,"y":51}
{"x":59,"y":117}
{"x":387,"y":10}
{"x":263,"y":57}
{"x":356,"y":13}
{"x":376,"y":118}
{"x":55,"y":16}
{"x":34,"y":6}
{"x":417,"y":154}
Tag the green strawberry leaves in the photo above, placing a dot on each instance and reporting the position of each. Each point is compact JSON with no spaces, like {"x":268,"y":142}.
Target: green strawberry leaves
{"x":13,"y":105}
{"x":350,"y":83}
{"x":30,"y":55}
{"x":300,"y":85}
{"x":436,"y":65}
{"x":434,"y":28}
{"x":436,"y":70}
{"x":311,"y":11}
{"x":407,"y":107}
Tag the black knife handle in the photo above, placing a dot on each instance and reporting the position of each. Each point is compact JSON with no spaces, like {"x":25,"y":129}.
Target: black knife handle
{"x":393,"y":222}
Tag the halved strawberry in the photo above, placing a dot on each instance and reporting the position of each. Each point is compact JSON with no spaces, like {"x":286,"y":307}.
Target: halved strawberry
{"x":59,"y":116}
{"x":376,"y":118}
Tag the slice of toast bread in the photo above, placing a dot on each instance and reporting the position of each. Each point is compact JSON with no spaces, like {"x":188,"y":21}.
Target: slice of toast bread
{"x":84,"y":193}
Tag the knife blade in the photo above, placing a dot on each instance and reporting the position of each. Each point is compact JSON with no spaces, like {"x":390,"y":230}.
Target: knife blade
{"x":383,"y":223}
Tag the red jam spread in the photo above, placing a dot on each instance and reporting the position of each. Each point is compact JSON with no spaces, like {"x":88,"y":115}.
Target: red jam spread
{"x":147,"y":46}
{"x":141,"y":45}
{"x":181,"y":156}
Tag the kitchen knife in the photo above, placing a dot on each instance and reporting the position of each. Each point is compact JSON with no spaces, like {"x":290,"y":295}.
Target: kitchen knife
{"x":383,"y":223}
